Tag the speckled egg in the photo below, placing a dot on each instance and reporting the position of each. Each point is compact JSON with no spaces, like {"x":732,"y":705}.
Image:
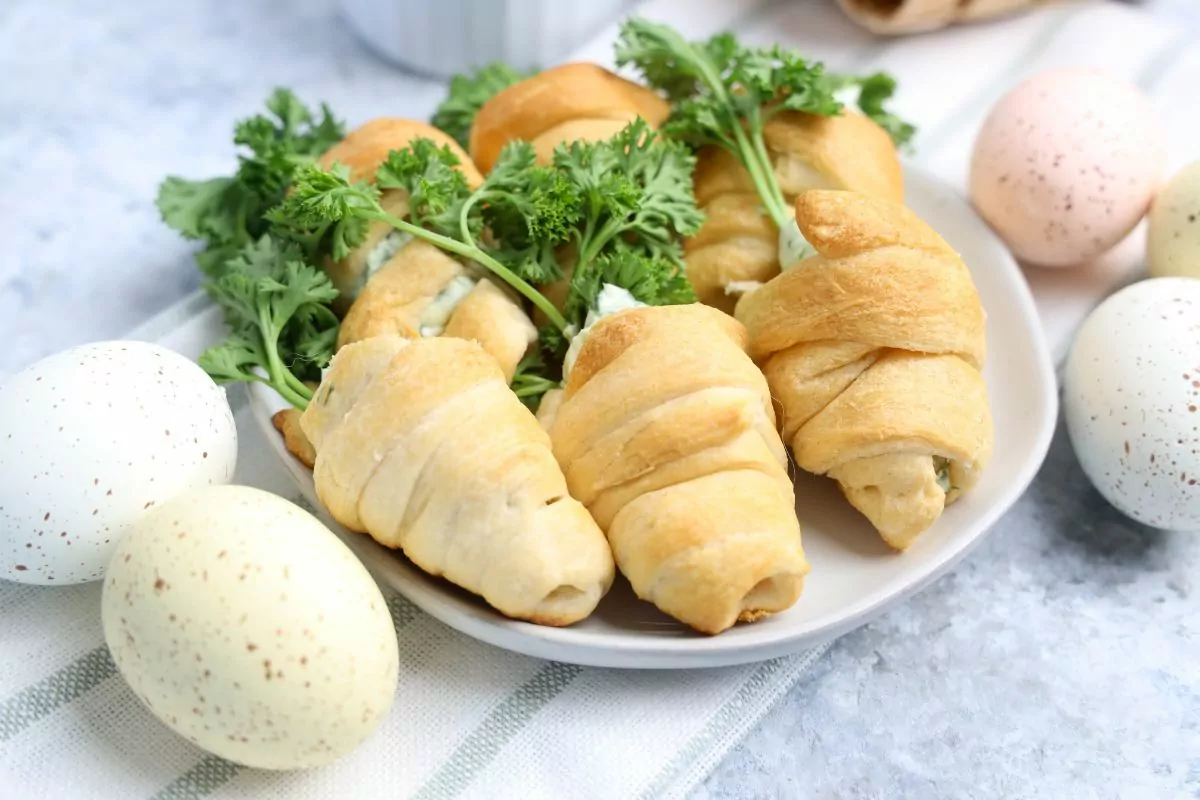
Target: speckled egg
{"x":1066,"y":165}
{"x":249,"y":628}
{"x":93,"y":438}
{"x":1131,"y":395}
{"x":1173,"y":243}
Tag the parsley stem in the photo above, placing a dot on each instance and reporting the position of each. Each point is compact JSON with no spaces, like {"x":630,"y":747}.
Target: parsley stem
{"x":299,"y":401}
{"x":277,"y":373}
{"x":477,"y":255}
{"x":750,"y":149}
{"x":534,"y":387}
{"x":780,"y":213}
{"x":296,"y":384}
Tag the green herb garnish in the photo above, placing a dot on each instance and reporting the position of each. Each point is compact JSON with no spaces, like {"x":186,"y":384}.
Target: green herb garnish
{"x":228,"y":213}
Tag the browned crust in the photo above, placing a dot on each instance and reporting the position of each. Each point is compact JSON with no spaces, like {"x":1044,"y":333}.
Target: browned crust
{"x":570,"y":93}
{"x":367,"y":146}
{"x":287,"y":422}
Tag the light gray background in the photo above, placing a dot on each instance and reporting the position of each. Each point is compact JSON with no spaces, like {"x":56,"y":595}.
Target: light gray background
{"x":1062,"y":660}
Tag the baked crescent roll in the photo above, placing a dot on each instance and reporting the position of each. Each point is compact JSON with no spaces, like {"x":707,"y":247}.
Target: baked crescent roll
{"x":571,"y":102}
{"x":421,"y":444}
{"x":738,"y":242}
{"x":422,"y":291}
{"x":873,"y":349}
{"x":362,"y":151}
{"x":411,"y":288}
{"x":666,"y":433}
{"x":914,"y":16}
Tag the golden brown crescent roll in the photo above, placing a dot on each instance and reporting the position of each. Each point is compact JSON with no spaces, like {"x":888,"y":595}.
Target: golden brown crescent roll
{"x":422,"y":291}
{"x":914,"y":16}
{"x":411,"y":288}
{"x":421,"y":444}
{"x":571,"y":102}
{"x":738,"y":242}
{"x":363,"y":150}
{"x":873,"y":349}
{"x":666,"y":433}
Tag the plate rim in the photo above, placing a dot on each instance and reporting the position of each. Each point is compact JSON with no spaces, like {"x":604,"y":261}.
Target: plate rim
{"x":475,"y":619}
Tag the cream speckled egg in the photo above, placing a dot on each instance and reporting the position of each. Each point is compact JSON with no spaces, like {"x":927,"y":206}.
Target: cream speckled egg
{"x":249,"y":628}
{"x":1131,"y":396}
{"x":91,"y":439}
{"x":1066,"y":165}
{"x":1173,"y":243}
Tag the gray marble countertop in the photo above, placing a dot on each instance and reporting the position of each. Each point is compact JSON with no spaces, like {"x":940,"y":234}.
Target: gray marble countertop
{"x":1061,"y":660}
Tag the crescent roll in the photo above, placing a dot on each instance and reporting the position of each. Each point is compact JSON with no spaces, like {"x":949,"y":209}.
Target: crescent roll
{"x":666,"y":433}
{"x":409,"y":287}
{"x":422,"y":291}
{"x":738,"y":242}
{"x":421,"y":444}
{"x":571,"y":102}
{"x":873,"y":349}
{"x":892,"y":17}
{"x":362,"y":151}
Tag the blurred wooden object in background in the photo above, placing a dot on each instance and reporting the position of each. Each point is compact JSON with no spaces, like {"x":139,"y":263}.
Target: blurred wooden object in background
{"x":893,"y":17}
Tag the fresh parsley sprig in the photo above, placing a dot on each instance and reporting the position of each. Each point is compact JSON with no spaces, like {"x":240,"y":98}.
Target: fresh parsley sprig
{"x":873,"y":91}
{"x":635,"y":192}
{"x":277,"y":309}
{"x":468,"y":93}
{"x":326,"y":211}
{"x":724,"y":93}
{"x":228,"y":213}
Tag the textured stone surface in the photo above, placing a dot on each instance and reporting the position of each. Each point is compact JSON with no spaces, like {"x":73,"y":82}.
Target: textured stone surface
{"x":1061,"y":660}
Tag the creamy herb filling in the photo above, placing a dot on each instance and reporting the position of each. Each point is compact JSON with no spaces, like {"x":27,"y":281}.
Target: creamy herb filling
{"x":942,"y":467}
{"x":436,"y":315}
{"x":393,"y":243}
{"x":793,"y":247}
{"x":610,"y":300}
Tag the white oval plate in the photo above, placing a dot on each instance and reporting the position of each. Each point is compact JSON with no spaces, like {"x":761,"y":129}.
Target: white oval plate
{"x":854,"y":575}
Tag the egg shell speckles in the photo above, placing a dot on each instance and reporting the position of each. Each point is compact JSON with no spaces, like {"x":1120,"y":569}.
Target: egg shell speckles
{"x":1066,"y":165}
{"x":1173,"y":241}
{"x":250,"y":629}
{"x":93,"y":438}
{"x":1131,"y":395}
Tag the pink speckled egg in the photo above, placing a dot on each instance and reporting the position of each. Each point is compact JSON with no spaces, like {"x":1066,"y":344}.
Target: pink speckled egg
{"x":1066,"y":165}
{"x":1131,"y":398}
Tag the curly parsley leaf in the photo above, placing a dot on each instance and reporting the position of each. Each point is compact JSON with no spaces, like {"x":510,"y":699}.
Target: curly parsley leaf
{"x":277,"y":309}
{"x":229,"y":212}
{"x":724,"y":93}
{"x":324,"y":209}
{"x":873,"y":91}
{"x":635,"y":192}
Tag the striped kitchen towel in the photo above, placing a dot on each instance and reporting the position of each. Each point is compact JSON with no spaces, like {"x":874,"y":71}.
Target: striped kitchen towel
{"x":473,"y":721}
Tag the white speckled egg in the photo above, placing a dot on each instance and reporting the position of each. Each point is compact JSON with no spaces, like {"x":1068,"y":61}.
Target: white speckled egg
{"x":1131,"y":394}
{"x":1066,"y":165}
{"x":1173,"y":243}
{"x":91,"y":439}
{"x":249,"y":628}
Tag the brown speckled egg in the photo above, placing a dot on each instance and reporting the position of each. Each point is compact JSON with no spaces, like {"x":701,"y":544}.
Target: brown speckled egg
{"x":92,"y":439}
{"x":1131,"y":396}
{"x":249,"y":628}
{"x":1066,"y":165}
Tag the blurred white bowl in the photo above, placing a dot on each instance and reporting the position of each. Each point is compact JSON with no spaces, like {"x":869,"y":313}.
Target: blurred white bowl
{"x":444,"y":37}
